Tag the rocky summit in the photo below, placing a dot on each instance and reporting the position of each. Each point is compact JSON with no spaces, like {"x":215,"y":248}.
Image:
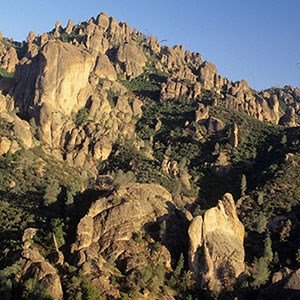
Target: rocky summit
{"x":114,"y":151}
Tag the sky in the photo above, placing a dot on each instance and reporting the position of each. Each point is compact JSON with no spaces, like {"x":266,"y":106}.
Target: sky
{"x":257,"y":40}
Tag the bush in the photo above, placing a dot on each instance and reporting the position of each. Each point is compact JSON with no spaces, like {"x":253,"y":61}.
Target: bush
{"x":123,"y":178}
{"x":4,"y":73}
{"x":81,"y":117}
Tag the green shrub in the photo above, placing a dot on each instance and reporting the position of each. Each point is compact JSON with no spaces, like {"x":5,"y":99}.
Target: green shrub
{"x":260,"y":272}
{"x":4,"y":73}
{"x":82,"y":117}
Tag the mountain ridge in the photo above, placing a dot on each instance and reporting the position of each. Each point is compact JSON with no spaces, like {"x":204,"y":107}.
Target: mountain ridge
{"x":114,"y":153}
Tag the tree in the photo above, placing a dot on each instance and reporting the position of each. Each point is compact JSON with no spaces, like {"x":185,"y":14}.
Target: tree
{"x":283,"y":140}
{"x":261,"y":224}
{"x":285,"y":231}
{"x":260,"y":272}
{"x":260,"y":198}
{"x":179,"y":266}
{"x":122,"y":178}
{"x":51,"y":193}
{"x":243,"y":185}
{"x":268,"y":252}
{"x":298,"y":256}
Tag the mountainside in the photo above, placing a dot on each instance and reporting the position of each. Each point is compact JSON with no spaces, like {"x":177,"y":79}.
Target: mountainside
{"x":132,"y":170}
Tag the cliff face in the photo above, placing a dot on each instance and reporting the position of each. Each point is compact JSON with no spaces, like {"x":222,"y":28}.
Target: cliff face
{"x":57,"y":84}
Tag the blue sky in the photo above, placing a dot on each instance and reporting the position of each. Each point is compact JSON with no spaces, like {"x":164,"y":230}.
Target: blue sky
{"x":257,"y":40}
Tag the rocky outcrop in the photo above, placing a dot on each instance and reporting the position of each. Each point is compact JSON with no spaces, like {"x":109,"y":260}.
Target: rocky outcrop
{"x":262,"y":107}
{"x":216,"y":255}
{"x":34,"y":266}
{"x":45,"y":79}
{"x":64,"y":96}
{"x":202,"y":112}
{"x":112,"y":225}
{"x":8,"y":57}
{"x":131,"y":59}
{"x":104,"y":68}
{"x":288,"y":96}
{"x":60,"y":84}
{"x":289,"y":118}
{"x":173,"y":57}
{"x":110,"y":222}
{"x":234,"y":136}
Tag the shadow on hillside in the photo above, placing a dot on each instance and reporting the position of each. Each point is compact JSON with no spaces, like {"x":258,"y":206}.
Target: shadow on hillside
{"x":258,"y":171}
{"x":171,"y":230}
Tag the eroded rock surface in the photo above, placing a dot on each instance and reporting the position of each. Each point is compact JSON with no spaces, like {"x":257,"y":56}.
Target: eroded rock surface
{"x":216,"y":255}
{"x":8,"y":57}
{"x":111,"y":226}
{"x":34,"y":266}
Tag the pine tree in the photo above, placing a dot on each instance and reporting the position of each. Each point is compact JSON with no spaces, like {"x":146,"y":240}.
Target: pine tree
{"x":243,"y":185}
{"x":268,"y":252}
{"x":260,"y":272}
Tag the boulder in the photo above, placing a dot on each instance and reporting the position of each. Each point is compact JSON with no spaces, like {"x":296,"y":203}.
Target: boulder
{"x":102,"y":21}
{"x":5,"y":144}
{"x":127,"y":211}
{"x":2,"y":103}
{"x":57,"y":30}
{"x":208,"y":75}
{"x":234,"y":136}
{"x":285,"y":285}
{"x":96,"y":41}
{"x":216,"y":255}
{"x":21,"y":129}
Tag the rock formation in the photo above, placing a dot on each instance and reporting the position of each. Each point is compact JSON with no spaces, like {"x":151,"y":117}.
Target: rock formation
{"x":34,"y":265}
{"x":216,"y":255}
{"x":131,"y":59}
{"x":289,"y":118}
{"x":79,"y":93}
{"x":108,"y":230}
{"x":8,"y":57}
{"x":234,"y":136}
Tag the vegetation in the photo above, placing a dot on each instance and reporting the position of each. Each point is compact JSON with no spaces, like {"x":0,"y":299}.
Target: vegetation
{"x":195,"y":162}
{"x":4,"y":73}
{"x":82,"y":117}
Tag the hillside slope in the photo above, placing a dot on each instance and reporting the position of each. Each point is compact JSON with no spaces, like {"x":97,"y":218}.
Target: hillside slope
{"x":120,"y":160}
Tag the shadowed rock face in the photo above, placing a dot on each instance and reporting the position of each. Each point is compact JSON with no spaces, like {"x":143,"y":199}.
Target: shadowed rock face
{"x":285,"y":285}
{"x":216,"y":254}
